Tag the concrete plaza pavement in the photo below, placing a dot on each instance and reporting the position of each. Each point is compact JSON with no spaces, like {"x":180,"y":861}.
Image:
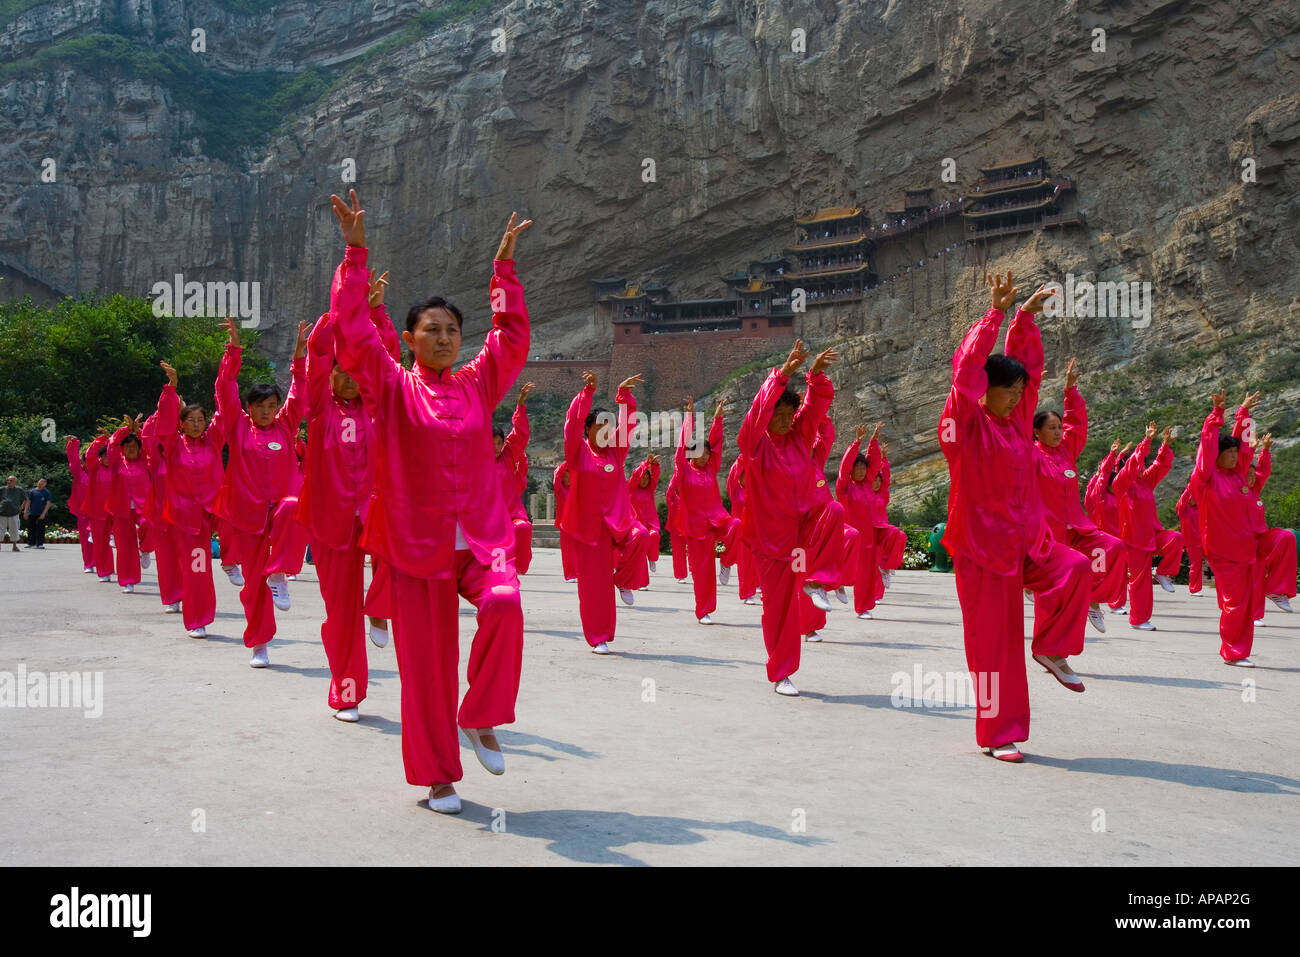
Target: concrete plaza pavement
{"x":672,"y":751}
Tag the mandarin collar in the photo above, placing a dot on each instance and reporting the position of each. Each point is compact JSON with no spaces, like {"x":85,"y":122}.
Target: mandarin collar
{"x":429,"y":375}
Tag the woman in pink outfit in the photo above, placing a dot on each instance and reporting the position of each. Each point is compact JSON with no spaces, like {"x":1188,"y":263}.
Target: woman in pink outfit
{"x":191,"y":448}
{"x":1134,"y":486}
{"x":259,"y":493}
{"x":77,"y":501}
{"x":568,"y":548}
{"x":997,"y":530}
{"x":676,"y":537}
{"x":745,"y":569}
{"x":891,"y":541}
{"x":165,"y":542}
{"x":338,"y":486}
{"x":705,"y":521}
{"x":843,"y":553}
{"x":1058,"y":440}
{"x":99,"y":484}
{"x":795,"y":540}
{"x":512,"y":473}
{"x":853,"y":488}
{"x":437,"y":518}
{"x":1189,"y":523}
{"x":612,"y":544}
{"x":642,"y":486}
{"x":130,"y":502}
{"x":1226,"y":500}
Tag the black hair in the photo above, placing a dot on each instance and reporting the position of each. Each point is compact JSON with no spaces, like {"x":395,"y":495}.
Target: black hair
{"x":691,"y":446}
{"x":863,"y":459}
{"x":1040,"y":417}
{"x":1004,"y":371}
{"x":433,"y":302}
{"x":132,"y":437}
{"x":192,"y":407}
{"x":261,"y":391}
{"x":592,"y":416}
{"x":789,"y":397}
{"x":498,"y":433}
{"x":1228,"y":442}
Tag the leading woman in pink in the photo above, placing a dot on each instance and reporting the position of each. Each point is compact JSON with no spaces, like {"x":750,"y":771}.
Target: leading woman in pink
{"x":611,"y":543}
{"x":791,"y":535}
{"x":997,"y":531}
{"x":259,"y":494}
{"x":437,"y":517}
{"x":704,"y":520}
{"x":1058,"y":440}
{"x":1134,"y":487}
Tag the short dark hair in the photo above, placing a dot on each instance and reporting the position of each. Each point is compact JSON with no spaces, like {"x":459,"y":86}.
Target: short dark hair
{"x":1040,"y":417}
{"x":192,"y":407}
{"x":261,"y":391}
{"x":433,"y":302}
{"x":789,"y":397}
{"x":1228,"y":442}
{"x":132,"y":437}
{"x":863,"y":459}
{"x":1004,"y":371}
{"x":591,"y":417}
{"x":498,"y":432}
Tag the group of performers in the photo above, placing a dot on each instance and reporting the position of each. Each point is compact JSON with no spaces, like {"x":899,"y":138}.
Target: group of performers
{"x":402,"y":469}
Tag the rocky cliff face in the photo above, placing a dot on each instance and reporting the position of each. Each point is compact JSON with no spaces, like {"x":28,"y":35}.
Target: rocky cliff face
{"x":449,"y":135}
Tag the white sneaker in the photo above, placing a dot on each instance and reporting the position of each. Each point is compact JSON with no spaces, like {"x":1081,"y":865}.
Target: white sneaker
{"x":348,"y":714}
{"x":626,"y":595}
{"x":866,"y":615}
{"x":1241,"y":663}
{"x":88,"y":570}
{"x":260,"y":658}
{"x":751,"y":600}
{"x":494,"y":761}
{"x":1282,"y":602}
{"x":172,"y":609}
{"x":292,"y":578}
{"x":724,"y":575}
{"x":786,"y":687}
{"x":234,"y":574}
{"x":1165,"y":583}
{"x":106,"y":578}
{"x":146,"y":559}
{"x":1196,"y":594}
{"x":652,"y":568}
{"x":886,"y":578}
{"x":600,"y":649}
{"x":378,"y":636}
{"x":812,"y":636}
{"x":279,"y":591}
{"x":681,"y":581}
{"x":571,"y":581}
{"x":1145,"y":626}
{"x":444,"y":805}
{"x":129,"y":589}
{"x":1121,"y":610}
{"x":199,"y":632}
{"x":842,"y":595}
{"x":1097,"y":619}
{"x":1259,"y":622}
{"x":706,"y":620}
{"x":818,"y":595}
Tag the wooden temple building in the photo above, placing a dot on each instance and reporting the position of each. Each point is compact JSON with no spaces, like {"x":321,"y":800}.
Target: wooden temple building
{"x":1019,"y":197}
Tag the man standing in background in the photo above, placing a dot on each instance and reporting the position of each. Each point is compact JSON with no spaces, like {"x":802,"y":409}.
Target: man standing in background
{"x":13,"y":501}
{"x":35,"y":509}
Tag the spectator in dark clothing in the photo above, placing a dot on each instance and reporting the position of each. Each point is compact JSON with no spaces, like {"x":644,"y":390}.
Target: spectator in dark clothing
{"x":36,"y":509}
{"x":13,"y":501}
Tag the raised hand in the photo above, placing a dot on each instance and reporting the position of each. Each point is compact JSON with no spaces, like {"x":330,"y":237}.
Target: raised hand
{"x":1151,"y":430}
{"x":722,"y":405}
{"x":1003,"y":293}
{"x":1268,"y":440}
{"x":1220,"y":399}
{"x":823,"y":360}
{"x":300,"y":349}
{"x":875,"y":433}
{"x":1126,"y":448}
{"x":1251,"y":400}
{"x":797,"y":356}
{"x":232,"y":328}
{"x":1071,"y":375}
{"x":351,"y":219}
{"x":171,"y":374}
{"x":1114,"y":446}
{"x":377,"y":288}
{"x":631,"y":381}
{"x":689,"y":405}
{"x":884,"y":450}
{"x":507,"y":248}
{"x":523,"y":393}
{"x":1169,"y":430}
{"x":1035,"y":303}
{"x":859,"y":432}
{"x":589,"y":380}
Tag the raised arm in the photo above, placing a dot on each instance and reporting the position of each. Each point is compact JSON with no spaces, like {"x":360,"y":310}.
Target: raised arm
{"x":1164,"y":461}
{"x":229,"y":411}
{"x":654,"y":476}
{"x":320,"y":366}
{"x":1075,"y":424}
{"x":168,"y":417}
{"x":573,"y":422}
{"x":357,"y":343}
{"x":821,"y":451}
{"x":295,"y":403}
{"x":517,"y":440}
{"x":1025,"y":342}
{"x":717,"y":437}
{"x":846,"y":468}
{"x":73,"y":452}
{"x":969,"y":380}
{"x":816,"y":403}
{"x":1207,"y":452}
{"x":626,"y":415}
{"x":679,"y":453}
{"x":1263,"y":470}
{"x":1132,"y":469}
{"x":754,"y":426}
